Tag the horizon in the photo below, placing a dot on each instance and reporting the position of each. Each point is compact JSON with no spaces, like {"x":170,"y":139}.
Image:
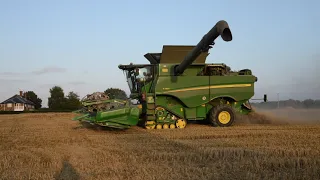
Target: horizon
{"x":78,"y":46}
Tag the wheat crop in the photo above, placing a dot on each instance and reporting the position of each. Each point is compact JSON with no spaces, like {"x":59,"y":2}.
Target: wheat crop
{"x":52,"y":146}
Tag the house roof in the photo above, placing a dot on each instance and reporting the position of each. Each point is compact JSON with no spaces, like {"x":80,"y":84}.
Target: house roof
{"x":17,"y":99}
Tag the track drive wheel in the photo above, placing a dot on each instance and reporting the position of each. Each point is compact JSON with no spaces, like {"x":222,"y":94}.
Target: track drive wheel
{"x":158,"y":126}
{"x":222,"y":115}
{"x":172,"y":126}
{"x":165,"y":126}
{"x":181,"y":123}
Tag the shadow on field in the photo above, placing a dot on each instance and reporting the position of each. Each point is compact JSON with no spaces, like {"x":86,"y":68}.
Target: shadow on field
{"x":67,"y":172}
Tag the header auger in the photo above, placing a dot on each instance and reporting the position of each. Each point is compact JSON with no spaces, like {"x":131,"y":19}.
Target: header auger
{"x":178,"y":86}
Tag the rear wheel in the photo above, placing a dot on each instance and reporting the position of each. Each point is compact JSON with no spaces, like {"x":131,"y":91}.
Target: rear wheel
{"x":222,"y":115}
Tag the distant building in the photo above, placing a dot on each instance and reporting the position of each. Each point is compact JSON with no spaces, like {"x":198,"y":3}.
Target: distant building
{"x":17,"y":102}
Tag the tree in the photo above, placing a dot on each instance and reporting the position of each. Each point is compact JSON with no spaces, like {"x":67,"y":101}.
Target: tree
{"x":57,"y":100}
{"x":31,"y":96}
{"x":308,"y":103}
{"x":317,"y":103}
{"x":116,"y":93}
{"x":73,"y":101}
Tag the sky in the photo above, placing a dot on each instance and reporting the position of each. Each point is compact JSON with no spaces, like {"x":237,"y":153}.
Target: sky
{"x":78,"y":45}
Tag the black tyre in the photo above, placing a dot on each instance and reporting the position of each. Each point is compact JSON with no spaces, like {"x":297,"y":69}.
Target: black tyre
{"x":222,"y":115}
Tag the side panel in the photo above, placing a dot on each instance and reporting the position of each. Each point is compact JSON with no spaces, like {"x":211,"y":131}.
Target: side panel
{"x":201,"y":111}
{"x":182,"y":87}
{"x":172,"y":104}
{"x":191,"y":113}
{"x":176,"y":107}
{"x":194,"y":91}
{"x":237,"y":87}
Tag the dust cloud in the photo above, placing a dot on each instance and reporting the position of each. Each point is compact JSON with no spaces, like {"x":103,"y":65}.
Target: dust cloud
{"x":281,"y":116}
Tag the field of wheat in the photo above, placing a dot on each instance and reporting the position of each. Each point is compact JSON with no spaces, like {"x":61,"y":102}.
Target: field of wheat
{"x":52,"y":146}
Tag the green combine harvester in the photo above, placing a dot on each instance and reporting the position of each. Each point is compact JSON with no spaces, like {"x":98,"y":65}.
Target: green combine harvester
{"x":178,"y":86}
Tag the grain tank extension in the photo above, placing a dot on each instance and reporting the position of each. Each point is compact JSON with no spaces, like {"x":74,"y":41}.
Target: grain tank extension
{"x":178,"y":85}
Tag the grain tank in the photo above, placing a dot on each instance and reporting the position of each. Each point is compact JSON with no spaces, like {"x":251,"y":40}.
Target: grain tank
{"x":178,"y":85}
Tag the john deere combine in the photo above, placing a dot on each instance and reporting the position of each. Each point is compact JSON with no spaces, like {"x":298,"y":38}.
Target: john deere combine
{"x":178,"y":86}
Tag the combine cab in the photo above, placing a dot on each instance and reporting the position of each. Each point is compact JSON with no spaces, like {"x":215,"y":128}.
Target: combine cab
{"x":178,"y":86}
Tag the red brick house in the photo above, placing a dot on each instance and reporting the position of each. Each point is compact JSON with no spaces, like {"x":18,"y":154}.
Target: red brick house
{"x":17,"y":102}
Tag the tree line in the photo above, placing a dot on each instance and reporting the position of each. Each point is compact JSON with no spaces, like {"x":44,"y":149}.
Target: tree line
{"x":59,"y":101}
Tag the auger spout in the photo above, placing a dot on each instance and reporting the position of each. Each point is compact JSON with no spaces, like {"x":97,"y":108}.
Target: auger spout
{"x":221,"y":28}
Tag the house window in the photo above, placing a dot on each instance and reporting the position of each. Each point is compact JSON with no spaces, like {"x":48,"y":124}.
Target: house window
{"x":18,"y":105}
{"x":9,"y":105}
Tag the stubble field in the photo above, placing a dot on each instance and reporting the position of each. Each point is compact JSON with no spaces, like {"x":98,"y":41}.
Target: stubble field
{"x":51,"y":146}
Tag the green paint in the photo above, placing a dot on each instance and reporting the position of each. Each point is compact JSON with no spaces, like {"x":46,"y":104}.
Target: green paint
{"x":119,"y":117}
{"x":125,"y":116}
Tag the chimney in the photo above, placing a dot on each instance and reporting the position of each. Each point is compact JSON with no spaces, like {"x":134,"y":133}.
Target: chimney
{"x":21,"y":93}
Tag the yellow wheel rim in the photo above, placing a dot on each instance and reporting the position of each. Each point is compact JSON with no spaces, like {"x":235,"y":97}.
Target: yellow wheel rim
{"x":181,"y":123}
{"x":224,"y":117}
{"x":150,"y":125}
{"x":165,"y":126}
{"x":159,"y":126}
{"x":172,"y":126}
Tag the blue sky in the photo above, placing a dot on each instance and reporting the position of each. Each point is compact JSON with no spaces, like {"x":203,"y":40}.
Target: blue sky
{"x":78,"y":45}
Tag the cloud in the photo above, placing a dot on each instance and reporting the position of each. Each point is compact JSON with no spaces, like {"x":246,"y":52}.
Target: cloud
{"x":48,"y":85}
{"x":13,"y":75}
{"x":13,"y":78}
{"x":49,"y":70}
{"x":10,"y":73}
{"x":6,"y":80}
{"x":77,"y":83}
